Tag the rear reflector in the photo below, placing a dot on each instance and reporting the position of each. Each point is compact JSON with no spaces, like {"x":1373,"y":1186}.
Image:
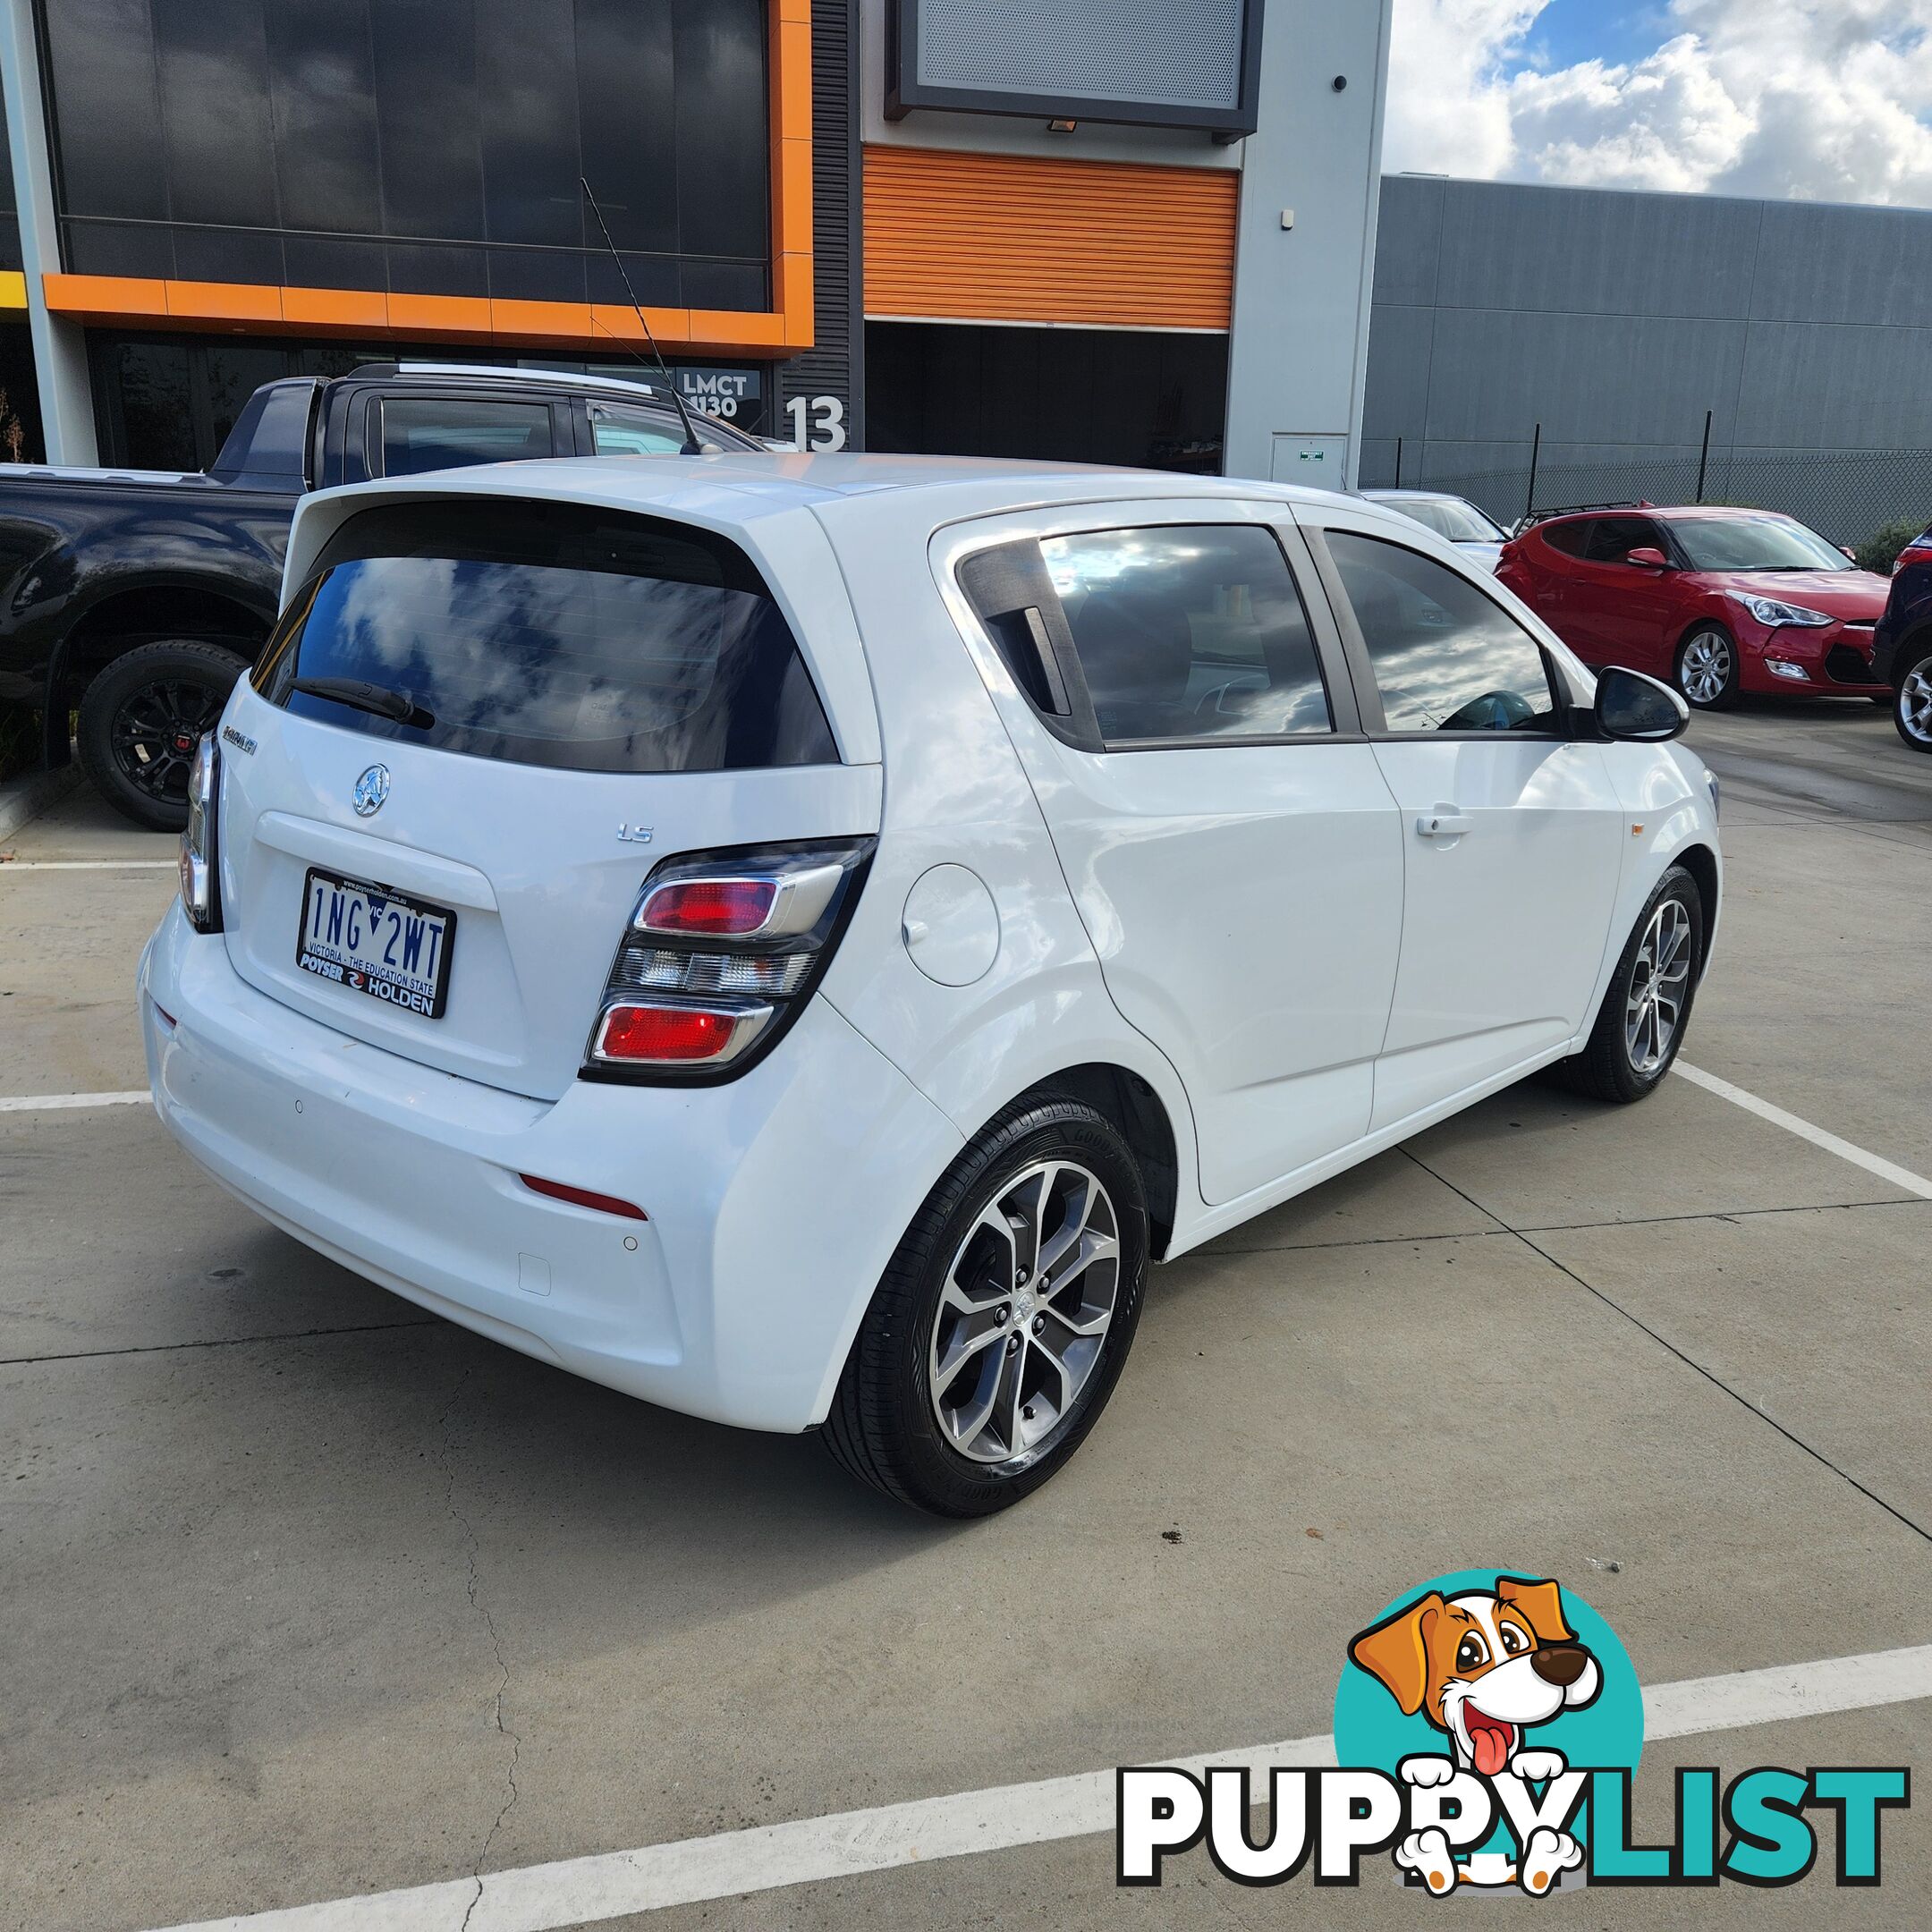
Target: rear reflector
{"x":712,"y":907}
{"x":583,"y":1197}
{"x":676,"y":1034}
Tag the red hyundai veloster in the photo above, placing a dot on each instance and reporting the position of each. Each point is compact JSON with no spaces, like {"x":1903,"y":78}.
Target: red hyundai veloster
{"x":1716,"y":601}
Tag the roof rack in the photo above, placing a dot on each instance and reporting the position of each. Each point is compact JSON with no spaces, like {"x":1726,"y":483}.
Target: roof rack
{"x":1543,"y":516}
{"x":511,"y":372}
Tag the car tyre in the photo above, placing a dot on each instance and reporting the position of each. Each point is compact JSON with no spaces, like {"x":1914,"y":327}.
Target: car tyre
{"x":960,"y":1311}
{"x":141,"y":719}
{"x":1707,"y":668}
{"x":1911,"y":703}
{"x":1629,"y":1054}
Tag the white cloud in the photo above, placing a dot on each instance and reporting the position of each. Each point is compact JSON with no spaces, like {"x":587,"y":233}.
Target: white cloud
{"x":1821,"y":99}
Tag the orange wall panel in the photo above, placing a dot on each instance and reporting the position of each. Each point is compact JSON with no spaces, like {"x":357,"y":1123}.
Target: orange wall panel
{"x":1023,"y":238}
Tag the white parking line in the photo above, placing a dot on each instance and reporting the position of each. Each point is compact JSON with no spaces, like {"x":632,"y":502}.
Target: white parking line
{"x":1873,"y":1164}
{"x":50,"y":1102}
{"x":87,"y":865}
{"x":582,"y":1891}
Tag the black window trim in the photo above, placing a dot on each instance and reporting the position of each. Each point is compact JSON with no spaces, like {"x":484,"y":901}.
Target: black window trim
{"x":1361,"y":665}
{"x":1081,"y":728}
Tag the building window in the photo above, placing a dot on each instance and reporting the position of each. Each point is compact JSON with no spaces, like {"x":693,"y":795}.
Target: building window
{"x":427,"y":146}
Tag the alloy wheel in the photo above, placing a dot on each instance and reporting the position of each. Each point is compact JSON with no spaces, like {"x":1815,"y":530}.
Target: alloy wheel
{"x":1024,"y":1313}
{"x":1915,"y":702}
{"x":1706,"y":669}
{"x":154,"y":734}
{"x":1660,"y":982}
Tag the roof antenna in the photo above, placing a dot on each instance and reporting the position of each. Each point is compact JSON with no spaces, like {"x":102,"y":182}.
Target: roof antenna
{"x":692,"y":446}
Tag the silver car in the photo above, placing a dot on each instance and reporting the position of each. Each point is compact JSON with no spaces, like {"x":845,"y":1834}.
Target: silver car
{"x":1472,"y":530}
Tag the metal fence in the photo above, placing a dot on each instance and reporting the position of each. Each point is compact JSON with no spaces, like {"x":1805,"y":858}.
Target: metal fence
{"x":1844,"y":494}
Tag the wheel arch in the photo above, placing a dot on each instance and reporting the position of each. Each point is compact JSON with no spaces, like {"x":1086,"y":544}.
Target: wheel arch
{"x":1701,"y":863}
{"x":1906,"y":652}
{"x":1138,"y":1111}
{"x":132,"y":613}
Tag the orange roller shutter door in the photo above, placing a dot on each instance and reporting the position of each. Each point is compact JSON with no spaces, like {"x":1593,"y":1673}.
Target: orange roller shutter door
{"x":1020,"y":238}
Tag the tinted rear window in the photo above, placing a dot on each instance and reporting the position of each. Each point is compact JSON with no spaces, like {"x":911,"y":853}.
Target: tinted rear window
{"x":552,"y":634}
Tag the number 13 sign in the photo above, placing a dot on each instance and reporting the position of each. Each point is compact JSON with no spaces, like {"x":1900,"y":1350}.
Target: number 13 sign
{"x":817,"y":422}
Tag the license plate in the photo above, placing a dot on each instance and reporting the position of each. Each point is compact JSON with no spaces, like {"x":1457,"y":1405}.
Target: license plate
{"x":377,"y":942}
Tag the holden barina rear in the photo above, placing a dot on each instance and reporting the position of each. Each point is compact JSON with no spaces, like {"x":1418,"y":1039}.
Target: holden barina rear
{"x":511,"y":874}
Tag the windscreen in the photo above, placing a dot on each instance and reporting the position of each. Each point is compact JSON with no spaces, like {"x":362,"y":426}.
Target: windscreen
{"x":547,"y":634}
{"x":1755,"y":543}
{"x":1449,"y":517}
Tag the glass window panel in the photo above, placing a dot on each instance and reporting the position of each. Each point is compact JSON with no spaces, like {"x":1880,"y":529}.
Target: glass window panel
{"x":723,"y":128}
{"x":537,"y":275}
{"x":618,"y":431}
{"x":554,"y":635}
{"x":426,"y":112}
{"x":1570,"y":540}
{"x":106,"y":110}
{"x":324,"y":261}
{"x":716,"y":284}
{"x":1446,"y":656}
{"x":213,"y":57}
{"x":653,"y":277}
{"x":527,"y":85}
{"x":1614,"y":537}
{"x":1189,"y":632}
{"x":155,"y":402}
{"x":434,"y":433}
{"x":323,"y":89}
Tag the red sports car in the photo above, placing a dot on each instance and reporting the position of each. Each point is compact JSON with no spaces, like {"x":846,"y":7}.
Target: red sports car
{"x":1713,"y":601}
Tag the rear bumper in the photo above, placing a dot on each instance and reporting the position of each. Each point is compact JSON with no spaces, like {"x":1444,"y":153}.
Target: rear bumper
{"x":773,"y":1202}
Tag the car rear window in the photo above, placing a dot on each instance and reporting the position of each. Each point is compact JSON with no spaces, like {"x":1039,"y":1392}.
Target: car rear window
{"x":550,"y":634}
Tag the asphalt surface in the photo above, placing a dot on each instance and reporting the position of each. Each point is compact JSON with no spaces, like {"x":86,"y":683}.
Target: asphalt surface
{"x":306,"y":1595}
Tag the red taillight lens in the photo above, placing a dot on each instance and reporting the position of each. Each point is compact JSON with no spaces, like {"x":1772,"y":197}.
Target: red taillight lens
{"x":710,"y":907}
{"x":584,"y":1198}
{"x":678,"y":1034}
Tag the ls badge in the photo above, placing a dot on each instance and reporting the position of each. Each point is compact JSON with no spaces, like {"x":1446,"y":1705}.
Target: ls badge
{"x":635,"y":835}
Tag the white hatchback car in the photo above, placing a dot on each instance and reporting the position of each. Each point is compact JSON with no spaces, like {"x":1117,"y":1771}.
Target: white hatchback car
{"x":793,"y":937}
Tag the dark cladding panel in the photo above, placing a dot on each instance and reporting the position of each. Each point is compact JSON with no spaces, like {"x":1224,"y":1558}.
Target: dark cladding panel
{"x":625,"y":93}
{"x":723,"y":128}
{"x":107,"y":109}
{"x":213,"y":57}
{"x":323,"y":94}
{"x":426,"y":114}
{"x":527,"y":95}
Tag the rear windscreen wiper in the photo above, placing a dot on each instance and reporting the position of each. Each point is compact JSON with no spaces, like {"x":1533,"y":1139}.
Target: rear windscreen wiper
{"x":359,"y":695}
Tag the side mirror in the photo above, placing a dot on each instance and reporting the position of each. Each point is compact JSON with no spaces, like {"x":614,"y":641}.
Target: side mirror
{"x":1646,"y":556}
{"x":1845,"y":550}
{"x":1637,"y":709}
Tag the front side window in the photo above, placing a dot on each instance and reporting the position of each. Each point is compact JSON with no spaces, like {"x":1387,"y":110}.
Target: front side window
{"x":1614,"y":537}
{"x":422,"y":433}
{"x":619,"y":431}
{"x":547,"y":634}
{"x":1189,"y":632}
{"x":1446,"y":656}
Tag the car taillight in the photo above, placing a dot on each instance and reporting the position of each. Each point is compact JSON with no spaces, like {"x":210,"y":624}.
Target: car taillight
{"x":722,"y":952}
{"x":201,"y":887}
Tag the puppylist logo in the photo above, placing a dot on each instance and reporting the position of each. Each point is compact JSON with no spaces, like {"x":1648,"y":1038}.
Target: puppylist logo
{"x":1486,"y":1729}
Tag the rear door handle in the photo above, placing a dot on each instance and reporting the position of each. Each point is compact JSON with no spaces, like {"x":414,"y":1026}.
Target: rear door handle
{"x":1443,"y":825}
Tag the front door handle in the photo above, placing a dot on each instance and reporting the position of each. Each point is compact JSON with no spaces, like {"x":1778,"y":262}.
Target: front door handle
{"x":1444,"y":824}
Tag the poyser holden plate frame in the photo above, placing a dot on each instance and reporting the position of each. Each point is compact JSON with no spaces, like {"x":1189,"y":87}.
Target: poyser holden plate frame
{"x":375,"y":942}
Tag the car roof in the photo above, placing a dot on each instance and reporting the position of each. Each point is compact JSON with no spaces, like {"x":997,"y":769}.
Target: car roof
{"x":1664,"y":513}
{"x":1407,"y":495}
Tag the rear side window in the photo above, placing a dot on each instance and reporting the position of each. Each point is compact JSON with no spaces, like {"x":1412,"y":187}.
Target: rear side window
{"x":420,"y":433}
{"x":1191,"y":632}
{"x":547,"y":634}
{"x":1446,"y":656}
{"x":1571,"y":540}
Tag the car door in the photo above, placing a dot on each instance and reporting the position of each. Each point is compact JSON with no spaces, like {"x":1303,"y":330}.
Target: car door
{"x":1186,"y":720}
{"x":1627,"y":607}
{"x":1512,"y":835}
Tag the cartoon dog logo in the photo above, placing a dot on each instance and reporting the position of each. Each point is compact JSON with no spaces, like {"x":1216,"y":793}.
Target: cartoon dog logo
{"x":1483,"y":1667}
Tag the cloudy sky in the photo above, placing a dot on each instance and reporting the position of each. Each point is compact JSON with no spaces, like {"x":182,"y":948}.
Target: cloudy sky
{"x":1822,"y":99}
